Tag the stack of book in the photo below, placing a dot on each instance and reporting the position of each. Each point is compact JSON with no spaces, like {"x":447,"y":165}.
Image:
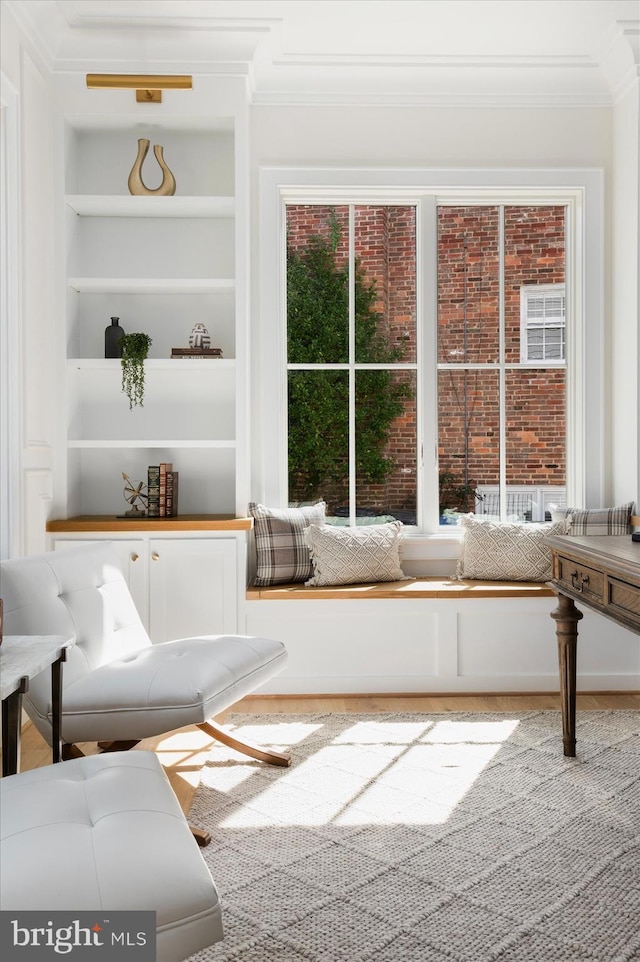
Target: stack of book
{"x":162,"y":485}
{"x":196,"y":352}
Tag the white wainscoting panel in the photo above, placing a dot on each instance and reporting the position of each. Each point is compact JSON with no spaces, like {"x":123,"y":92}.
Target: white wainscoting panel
{"x":437,"y":645}
{"x":499,"y":639}
{"x":349,"y":645}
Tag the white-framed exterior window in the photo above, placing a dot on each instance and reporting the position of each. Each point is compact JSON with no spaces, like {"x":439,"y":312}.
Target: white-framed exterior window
{"x":352,"y":358}
{"x":579,"y":191}
{"x":542,"y":323}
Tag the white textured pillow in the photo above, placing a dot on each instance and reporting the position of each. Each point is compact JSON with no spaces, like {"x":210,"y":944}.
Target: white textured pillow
{"x":348,"y":556}
{"x":501,"y":551}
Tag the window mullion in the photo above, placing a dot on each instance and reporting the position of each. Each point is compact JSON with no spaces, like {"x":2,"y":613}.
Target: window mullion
{"x":352,"y":372}
{"x":502,"y":368}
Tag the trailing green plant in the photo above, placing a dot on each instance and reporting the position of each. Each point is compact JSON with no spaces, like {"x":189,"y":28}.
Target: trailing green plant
{"x":135,"y":348}
{"x":317,"y":332}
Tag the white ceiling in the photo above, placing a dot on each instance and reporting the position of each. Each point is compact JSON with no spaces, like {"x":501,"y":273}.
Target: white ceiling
{"x":520,"y":51}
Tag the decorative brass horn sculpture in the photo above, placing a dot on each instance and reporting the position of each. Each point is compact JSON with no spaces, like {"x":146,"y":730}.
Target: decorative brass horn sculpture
{"x":136,"y":184}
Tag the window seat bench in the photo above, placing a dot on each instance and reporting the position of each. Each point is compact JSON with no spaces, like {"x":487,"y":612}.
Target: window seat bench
{"x":446,"y":636}
{"x":415,"y":588}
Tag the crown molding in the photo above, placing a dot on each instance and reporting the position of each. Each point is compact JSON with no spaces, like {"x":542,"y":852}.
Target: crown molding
{"x":40,"y":48}
{"x":197,"y":69}
{"x":155,"y":20}
{"x":456,"y":61}
{"x":300,"y":98}
{"x":620,"y":57}
{"x":70,"y":35}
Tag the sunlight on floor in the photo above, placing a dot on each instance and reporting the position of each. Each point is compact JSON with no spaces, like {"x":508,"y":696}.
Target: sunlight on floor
{"x":185,"y":751}
{"x":380,"y":773}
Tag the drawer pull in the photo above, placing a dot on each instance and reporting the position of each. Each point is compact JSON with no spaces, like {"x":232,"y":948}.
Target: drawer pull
{"x":134,"y":556}
{"x":579,"y":583}
{"x":155,"y":556}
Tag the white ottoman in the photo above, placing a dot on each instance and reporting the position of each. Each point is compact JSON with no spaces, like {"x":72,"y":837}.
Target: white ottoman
{"x":107,"y":832}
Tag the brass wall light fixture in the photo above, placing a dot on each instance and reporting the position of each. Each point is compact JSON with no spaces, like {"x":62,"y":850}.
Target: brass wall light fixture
{"x":148,"y":87}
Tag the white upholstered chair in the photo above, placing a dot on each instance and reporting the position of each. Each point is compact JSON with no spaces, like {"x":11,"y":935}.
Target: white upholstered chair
{"x":118,"y":687}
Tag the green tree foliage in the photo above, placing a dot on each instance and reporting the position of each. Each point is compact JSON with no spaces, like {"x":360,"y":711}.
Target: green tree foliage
{"x":317,"y":333}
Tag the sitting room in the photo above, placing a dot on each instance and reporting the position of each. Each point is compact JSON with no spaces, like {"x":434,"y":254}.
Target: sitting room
{"x":320,"y":480}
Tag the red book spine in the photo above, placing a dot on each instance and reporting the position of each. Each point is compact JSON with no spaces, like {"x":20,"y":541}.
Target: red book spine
{"x":165,"y":466}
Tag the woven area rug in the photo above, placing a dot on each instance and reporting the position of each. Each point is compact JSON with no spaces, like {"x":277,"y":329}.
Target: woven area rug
{"x":426,"y":838}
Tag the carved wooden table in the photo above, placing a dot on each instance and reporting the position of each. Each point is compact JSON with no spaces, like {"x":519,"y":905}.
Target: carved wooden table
{"x":601,"y":573}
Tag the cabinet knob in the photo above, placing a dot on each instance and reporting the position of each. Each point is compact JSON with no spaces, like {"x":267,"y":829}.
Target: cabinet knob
{"x":134,"y":556}
{"x":155,"y":556}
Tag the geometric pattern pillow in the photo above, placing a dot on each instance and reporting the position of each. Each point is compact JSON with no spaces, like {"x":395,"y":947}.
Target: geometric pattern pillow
{"x":504,"y":551}
{"x":347,"y":556}
{"x":281,"y":545}
{"x":600,"y":521}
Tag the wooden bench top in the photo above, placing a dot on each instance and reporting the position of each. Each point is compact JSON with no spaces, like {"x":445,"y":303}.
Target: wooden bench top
{"x":415,"y":588}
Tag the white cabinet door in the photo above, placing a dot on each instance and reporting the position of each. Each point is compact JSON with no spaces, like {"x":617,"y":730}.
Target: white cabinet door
{"x":192,"y":587}
{"x":132,"y":555}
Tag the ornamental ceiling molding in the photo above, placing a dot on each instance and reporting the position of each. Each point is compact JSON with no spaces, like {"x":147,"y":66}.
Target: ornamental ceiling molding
{"x":620,"y":57}
{"x":68,"y":41}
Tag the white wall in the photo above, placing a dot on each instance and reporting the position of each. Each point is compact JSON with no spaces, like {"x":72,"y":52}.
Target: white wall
{"x":432,"y":136}
{"x":31,"y":322}
{"x":624,"y":346}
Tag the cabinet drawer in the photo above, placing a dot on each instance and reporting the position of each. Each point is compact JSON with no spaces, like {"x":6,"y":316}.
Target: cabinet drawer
{"x":578,"y":577}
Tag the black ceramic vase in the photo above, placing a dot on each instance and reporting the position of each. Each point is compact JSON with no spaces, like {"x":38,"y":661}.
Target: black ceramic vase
{"x":112,"y":337}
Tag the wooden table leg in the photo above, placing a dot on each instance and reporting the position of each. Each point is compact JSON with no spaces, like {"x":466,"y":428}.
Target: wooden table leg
{"x":566,"y":617}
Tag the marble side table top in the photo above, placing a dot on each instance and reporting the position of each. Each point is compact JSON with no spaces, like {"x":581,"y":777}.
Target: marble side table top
{"x":26,"y":656}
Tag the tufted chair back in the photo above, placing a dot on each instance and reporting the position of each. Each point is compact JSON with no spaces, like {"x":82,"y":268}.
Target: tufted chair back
{"x":81,"y":594}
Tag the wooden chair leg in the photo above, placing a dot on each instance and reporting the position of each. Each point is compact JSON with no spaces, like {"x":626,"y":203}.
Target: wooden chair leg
{"x":201,"y":835}
{"x":261,"y":754}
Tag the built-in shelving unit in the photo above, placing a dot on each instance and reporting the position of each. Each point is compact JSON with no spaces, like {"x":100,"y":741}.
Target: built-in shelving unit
{"x":160,"y":264}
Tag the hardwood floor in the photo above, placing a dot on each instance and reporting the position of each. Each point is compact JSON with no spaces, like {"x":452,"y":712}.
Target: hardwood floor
{"x":183,"y":752}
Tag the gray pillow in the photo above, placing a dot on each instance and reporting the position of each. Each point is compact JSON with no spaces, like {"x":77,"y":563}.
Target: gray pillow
{"x":282,"y":552}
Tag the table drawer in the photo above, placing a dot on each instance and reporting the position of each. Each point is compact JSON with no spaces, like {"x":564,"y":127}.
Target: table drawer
{"x":580,"y":578}
{"x":625,"y":599}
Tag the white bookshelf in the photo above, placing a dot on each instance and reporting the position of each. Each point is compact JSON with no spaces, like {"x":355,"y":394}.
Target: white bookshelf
{"x":160,"y":264}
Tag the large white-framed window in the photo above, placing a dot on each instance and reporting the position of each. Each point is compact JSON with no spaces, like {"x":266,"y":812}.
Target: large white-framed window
{"x":578,"y":193}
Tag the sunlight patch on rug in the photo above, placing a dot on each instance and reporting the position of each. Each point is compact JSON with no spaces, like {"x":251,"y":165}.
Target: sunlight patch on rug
{"x":373,"y":773}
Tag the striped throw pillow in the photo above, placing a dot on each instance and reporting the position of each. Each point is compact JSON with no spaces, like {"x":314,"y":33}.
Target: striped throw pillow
{"x":600,"y":521}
